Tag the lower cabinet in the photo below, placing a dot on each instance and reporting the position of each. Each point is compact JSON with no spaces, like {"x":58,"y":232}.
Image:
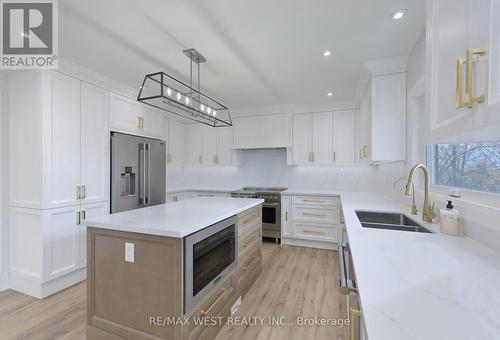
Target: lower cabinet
{"x":48,"y":247}
{"x":311,"y":221}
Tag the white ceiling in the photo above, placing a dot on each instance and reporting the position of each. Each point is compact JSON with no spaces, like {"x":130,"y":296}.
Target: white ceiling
{"x":259,"y":52}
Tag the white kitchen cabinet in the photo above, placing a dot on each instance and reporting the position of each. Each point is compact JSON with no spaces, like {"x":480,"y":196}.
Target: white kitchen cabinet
{"x":322,"y":138}
{"x":88,"y":211}
{"x":152,"y":120}
{"x":94,"y":143}
{"x":312,"y":139}
{"x":62,"y":140}
{"x":61,"y":230}
{"x":127,"y":115}
{"x":301,"y":139}
{"x":454,"y":27}
{"x":286,"y":216}
{"x":225,"y":141}
{"x":310,"y":221}
{"x":208,"y":145}
{"x":363,"y":129}
{"x":259,"y":132}
{"x":124,"y":114}
{"x":344,"y":136}
{"x":381,"y":122}
{"x":62,"y":164}
{"x":176,"y":143}
{"x":194,"y":147}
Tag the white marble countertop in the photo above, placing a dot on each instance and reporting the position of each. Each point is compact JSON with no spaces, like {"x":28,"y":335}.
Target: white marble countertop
{"x":203,"y":189}
{"x":421,"y":286}
{"x":299,"y":192}
{"x":177,"y":219}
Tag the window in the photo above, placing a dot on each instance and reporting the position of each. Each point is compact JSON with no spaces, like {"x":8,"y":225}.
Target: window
{"x":472,"y":166}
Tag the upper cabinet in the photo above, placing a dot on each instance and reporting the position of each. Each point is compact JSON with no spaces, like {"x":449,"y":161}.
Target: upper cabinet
{"x":462,"y":70}
{"x":324,"y":138}
{"x":129,"y":116}
{"x":312,"y":139}
{"x":381,"y":120}
{"x":344,"y":136}
{"x":176,"y":142}
{"x":210,"y":146}
{"x":258,"y":132}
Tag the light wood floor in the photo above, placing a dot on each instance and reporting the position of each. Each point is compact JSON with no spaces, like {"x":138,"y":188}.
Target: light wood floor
{"x":295,"y":282}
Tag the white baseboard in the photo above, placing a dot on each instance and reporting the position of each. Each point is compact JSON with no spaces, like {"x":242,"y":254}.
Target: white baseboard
{"x":308,"y":243}
{"x":42,"y":290}
{"x":4,"y":282}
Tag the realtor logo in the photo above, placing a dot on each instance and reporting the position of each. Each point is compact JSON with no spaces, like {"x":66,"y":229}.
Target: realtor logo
{"x":29,"y":34}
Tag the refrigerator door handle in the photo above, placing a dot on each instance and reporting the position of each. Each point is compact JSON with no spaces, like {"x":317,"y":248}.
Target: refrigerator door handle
{"x":144,"y":174}
{"x":148,"y":152}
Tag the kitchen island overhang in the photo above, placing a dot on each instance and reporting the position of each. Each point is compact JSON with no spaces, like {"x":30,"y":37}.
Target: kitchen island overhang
{"x":137,"y":267}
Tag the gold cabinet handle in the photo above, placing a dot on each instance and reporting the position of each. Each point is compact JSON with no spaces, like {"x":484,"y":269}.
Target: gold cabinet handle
{"x":307,"y":231}
{"x":356,"y":313}
{"x":365,"y":151}
{"x":206,"y":195}
{"x":224,"y":291}
{"x":174,"y":199}
{"x":84,"y":215}
{"x":78,"y":218}
{"x":250,"y":241}
{"x":286,"y":215}
{"x":342,"y":219}
{"x":334,"y":156}
{"x":313,"y":201}
{"x":78,"y":192}
{"x":84,"y":192}
{"x":471,"y":52}
{"x":459,"y":103}
{"x":245,"y":268}
{"x":313,"y":214}
{"x":469,"y":88}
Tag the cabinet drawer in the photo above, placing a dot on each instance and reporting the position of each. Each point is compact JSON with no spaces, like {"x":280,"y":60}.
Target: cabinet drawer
{"x":250,"y":221}
{"x":247,"y":243}
{"x":212,"y":306}
{"x":316,"y":200}
{"x":315,"y":231}
{"x":249,"y":269}
{"x":321,"y":214}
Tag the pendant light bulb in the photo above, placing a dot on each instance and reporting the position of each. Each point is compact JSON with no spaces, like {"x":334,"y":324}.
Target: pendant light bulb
{"x":169,"y":91}
{"x":209,"y":110}
{"x":186,"y":100}
{"x":202,"y":108}
{"x":179,"y":96}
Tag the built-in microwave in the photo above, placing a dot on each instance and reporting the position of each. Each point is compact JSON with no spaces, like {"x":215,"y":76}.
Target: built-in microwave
{"x":209,"y":257}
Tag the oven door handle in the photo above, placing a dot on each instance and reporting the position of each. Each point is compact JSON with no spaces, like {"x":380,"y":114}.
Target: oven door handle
{"x":271,"y":204}
{"x":346,"y":285}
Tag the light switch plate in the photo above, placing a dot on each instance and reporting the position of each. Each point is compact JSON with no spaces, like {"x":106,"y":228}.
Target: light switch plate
{"x":129,"y":252}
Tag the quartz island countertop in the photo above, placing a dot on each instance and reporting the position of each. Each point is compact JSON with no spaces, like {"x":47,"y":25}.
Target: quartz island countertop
{"x":178,"y":219}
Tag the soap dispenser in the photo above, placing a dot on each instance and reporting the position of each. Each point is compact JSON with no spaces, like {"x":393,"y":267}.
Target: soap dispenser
{"x":449,"y":220}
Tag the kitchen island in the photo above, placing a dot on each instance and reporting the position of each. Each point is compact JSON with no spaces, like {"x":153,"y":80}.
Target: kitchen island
{"x":164,"y":272}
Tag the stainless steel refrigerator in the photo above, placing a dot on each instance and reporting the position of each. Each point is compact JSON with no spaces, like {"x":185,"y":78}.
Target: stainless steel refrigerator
{"x":138,"y":172}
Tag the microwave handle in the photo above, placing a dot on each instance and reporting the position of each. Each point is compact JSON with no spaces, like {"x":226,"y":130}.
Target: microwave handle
{"x":346,"y":285}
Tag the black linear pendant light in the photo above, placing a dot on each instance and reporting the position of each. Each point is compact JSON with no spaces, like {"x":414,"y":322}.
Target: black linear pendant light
{"x":167,"y":93}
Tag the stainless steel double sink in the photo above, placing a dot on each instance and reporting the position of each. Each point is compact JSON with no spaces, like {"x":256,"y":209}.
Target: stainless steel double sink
{"x":389,"y":221}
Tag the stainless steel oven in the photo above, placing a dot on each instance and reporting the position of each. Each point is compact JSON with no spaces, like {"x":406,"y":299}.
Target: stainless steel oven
{"x":209,"y":257}
{"x":271,"y":208}
{"x":271,"y":219}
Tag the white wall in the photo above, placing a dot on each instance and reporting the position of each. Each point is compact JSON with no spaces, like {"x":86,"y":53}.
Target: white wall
{"x":3,"y":182}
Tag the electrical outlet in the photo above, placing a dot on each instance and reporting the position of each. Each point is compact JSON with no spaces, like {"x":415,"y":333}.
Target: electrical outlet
{"x":129,"y":252}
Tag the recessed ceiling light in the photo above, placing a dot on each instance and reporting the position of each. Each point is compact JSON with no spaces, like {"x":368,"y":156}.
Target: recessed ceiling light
{"x":399,"y":14}
{"x":329,"y":94}
{"x":327,"y":53}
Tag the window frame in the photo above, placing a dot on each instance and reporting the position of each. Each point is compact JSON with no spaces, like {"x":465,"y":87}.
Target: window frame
{"x":475,"y":196}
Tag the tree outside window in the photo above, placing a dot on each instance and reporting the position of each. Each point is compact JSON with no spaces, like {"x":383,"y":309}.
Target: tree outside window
{"x":473,"y":166}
